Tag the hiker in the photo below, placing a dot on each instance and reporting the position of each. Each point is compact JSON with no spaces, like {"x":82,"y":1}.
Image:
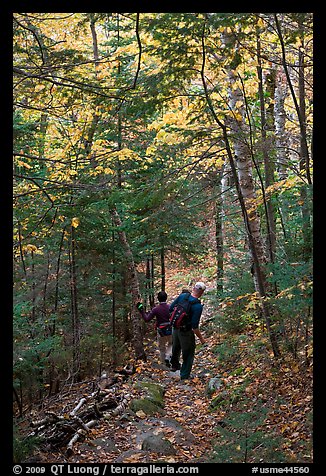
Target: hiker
{"x":184,"y":337}
{"x":164,"y":330}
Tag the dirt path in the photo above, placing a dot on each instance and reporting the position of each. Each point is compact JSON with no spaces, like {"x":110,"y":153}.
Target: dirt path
{"x":182,"y":431}
{"x":183,"y":428}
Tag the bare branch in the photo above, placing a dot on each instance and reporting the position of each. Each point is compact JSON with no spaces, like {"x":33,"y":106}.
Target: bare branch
{"x":140,"y":51}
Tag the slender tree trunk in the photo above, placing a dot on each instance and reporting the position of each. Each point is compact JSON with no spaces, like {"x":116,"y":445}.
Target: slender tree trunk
{"x":148,"y":280}
{"x":281,"y":139}
{"x":244,"y":186}
{"x":126,"y":321}
{"x":304,"y":157}
{"x":134,"y":289}
{"x":53,"y":374}
{"x":241,"y":167}
{"x":258,"y":266}
{"x":151,"y":294}
{"x":19,"y":402}
{"x":162,"y":268}
{"x":93,"y":126}
{"x":227,"y":182}
{"x":268,"y":163}
{"x":21,"y":249}
{"x":119,"y":172}
{"x":43,"y":129}
{"x":218,"y":215}
{"x":219,"y":246}
{"x":74,"y":308}
{"x":242,"y":155}
{"x":46,"y":279}
{"x":114,"y":270}
{"x":33,"y":316}
{"x":299,"y":106}
{"x":56,"y":295}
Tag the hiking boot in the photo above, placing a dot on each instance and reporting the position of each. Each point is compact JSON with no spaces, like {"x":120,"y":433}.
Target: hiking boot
{"x":174,"y":368}
{"x":175,"y":374}
{"x":167,"y":363}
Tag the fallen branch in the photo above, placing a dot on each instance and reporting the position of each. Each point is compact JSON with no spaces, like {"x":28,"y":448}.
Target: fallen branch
{"x":82,"y":432}
{"x":121,"y":408}
{"x":80,"y":404}
{"x":104,"y":402}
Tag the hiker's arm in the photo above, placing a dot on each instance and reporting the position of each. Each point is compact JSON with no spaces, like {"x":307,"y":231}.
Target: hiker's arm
{"x":199,"y":335}
{"x":195,"y":318}
{"x":149,"y":315}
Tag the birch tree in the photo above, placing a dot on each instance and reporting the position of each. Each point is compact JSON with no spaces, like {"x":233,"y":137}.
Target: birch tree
{"x":281,"y":137}
{"x":241,"y":167}
{"x":239,"y":133}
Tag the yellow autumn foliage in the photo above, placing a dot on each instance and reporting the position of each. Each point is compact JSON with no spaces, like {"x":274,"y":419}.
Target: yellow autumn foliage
{"x":124,"y":154}
{"x":75,"y":222}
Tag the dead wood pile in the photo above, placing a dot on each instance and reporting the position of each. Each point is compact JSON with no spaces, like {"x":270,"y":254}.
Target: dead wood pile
{"x":106,"y":401}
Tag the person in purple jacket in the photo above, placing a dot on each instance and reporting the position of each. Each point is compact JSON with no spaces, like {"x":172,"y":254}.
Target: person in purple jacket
{"x":163,"y":327}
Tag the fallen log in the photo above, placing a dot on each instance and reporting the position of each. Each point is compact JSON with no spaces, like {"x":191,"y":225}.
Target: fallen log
{"x":48,"y":420}
{"x":80,"y":433}
{"x":63,"y":431}
{"x":121,"y":408}
{"x":80,"y":404}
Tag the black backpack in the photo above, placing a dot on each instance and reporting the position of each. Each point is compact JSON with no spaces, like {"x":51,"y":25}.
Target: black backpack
{"x":180,"y":316}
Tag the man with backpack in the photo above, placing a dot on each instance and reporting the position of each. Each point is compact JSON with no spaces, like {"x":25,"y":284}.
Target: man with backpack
{"x":185,"y":313}
{"x":163,"y":326}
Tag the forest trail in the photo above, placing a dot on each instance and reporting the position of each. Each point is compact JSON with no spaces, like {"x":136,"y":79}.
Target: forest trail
{"x":184,"y":422}
{"x":182,"y":431}
{"x":152,"y":152}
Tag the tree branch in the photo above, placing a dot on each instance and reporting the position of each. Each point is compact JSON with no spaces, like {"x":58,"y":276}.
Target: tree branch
{"x":140,"y":51}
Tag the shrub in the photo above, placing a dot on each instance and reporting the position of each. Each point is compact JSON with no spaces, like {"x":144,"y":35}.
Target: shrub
{"x":23,"y":447}
{"x":244,"y":439}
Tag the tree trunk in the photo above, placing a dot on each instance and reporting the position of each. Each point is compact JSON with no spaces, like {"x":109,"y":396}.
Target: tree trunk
{"x":299,"y":106}
{"x":218,"y":215}
{"x":151,"y":294}
{"x":242,"y":155}
{"x":19,"y":402}
{"x":33,"y":316}
{"x":304,"y":158}
{"x":21,"y":250}
{"x":258,"y":267}
{"x":162,"y":268}
{"x":134,"y":289}
{"x":45,"y":287}
{"x":244,"y":186}
{"x":56,"y":295}
{"x":299,"y":145}
{"x":93,"y":126}
{"x":241,"y":166}
{"x":74,"y":309}
{"x":43,"y":129}
{"x":282,"y":139}
{"x":268,"y":163}
{"x":114,"y":270}
{"x":125,"y":309}
{"x":148,"y":280}
{"x":281,"y":142}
